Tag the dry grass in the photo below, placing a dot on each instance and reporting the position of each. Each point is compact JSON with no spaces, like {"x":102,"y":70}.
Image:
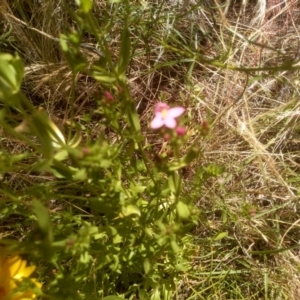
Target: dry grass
{"x":255,"y":138}
{"x":254,"y":131}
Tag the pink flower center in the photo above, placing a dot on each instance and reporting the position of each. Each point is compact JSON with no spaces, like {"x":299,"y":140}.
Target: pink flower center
{"x":164,"y":113}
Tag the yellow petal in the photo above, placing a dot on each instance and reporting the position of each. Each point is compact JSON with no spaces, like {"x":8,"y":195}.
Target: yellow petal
{"x":18,"y":268}
{"x":15,"y":264}
{"x":13,"y":270}
{"x":25,"y":272}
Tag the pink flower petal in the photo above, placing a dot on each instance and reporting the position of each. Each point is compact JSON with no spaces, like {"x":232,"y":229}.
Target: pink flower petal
{"x":176,"y":111}
{"x":157,"y":122}
{"x":170,"y":122}
{"x":161,"y":106}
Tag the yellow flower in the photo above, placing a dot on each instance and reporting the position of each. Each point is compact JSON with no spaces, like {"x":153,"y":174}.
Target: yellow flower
{"x":12,"y":271}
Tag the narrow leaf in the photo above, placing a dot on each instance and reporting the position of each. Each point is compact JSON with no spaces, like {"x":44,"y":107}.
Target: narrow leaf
{"x":220,"y":236}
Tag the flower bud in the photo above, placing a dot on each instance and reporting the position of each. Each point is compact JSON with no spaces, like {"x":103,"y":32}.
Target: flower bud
{"x":167,"y":137}
{"x":120,"y":89}
{"x":108,"y":96}
{"x":85,"y":150}
{"x":180,"y":131}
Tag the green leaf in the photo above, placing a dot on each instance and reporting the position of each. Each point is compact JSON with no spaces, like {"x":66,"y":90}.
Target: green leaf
{"x":76,"y":139}
{"x":39,"y":128}
{"x":171,"y":184}
{"x":156,"y":295}
{"x":70,"y":45}
{"x":183,"y":210}
{"x":147,"y":266}
{"x":117,"y":239}
{"x":175,"y":247}
{"x":181,"y":268}
{"x":191,"y":155}
{"x":61,"y":155}
{"x":80,"y":175}
{"x":103,"y":78}
{"x":143,"y":294}
{"x":62,"y":171}
{"x":42,"y":215}
{"x":124,"y":53}
{"x":43,"y":220}
{"x":186,"y":160}
{"x":48,"y":133}
{"x":137,"y":189}
{"x":63,"y":43}
{"x":112,"y":298}
{"x":131,"y":210}
{"x":85,"y":5}
{"x":19,"y":157}
{"x":85,"y":258}
{"x":135,"y":120}
{"x":220,"y":236}
{"x":11,"y":75}
{"x":55,"y":134}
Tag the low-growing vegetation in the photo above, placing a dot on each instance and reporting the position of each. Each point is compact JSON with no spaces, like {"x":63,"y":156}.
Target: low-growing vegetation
{"x":149,"y":149}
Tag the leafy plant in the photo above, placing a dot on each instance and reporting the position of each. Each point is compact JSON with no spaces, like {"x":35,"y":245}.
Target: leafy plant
{"x":112,"y":218}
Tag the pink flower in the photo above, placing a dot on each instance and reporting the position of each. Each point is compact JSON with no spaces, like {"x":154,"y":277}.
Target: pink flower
{"x":166,"y":116}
